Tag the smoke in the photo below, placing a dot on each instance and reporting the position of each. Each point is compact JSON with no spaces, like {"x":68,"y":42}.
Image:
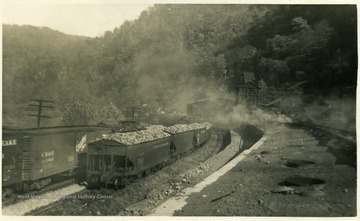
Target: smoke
{"x":333,"y":112}
{"x":167,"y":81}
{"x":242,"y":114}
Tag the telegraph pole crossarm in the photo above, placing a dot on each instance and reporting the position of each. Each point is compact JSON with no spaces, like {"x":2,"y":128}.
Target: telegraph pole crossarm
{"x":40,"y":106}
{"x":42,"y":100}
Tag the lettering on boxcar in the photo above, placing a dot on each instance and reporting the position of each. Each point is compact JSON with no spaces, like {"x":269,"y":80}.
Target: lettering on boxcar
{"x":161,"y":145}
{"x":47,"y":157}
{"x":47,"y":154}
{"x":9,"y":142}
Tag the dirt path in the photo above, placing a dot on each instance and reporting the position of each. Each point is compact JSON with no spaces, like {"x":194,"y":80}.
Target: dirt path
{"x":290,"y":174}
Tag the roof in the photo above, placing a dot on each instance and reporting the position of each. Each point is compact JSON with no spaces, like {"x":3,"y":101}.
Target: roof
{"x":350,"y":87}
{"x":298,"y":84}
{"x":59,"y":129}
{"x":249,"y":83}
{"x":212,"y":99}
{"x":272,"y":102}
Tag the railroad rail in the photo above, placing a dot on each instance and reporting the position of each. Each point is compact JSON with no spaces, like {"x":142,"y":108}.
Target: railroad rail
{"x":55,"y":207}
{"x":341,"y":143}
{"x":327,"y":132}
{"x":15,"y":198}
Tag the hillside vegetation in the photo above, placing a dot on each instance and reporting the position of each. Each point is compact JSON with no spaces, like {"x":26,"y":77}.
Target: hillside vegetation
{"x":174,"y":54}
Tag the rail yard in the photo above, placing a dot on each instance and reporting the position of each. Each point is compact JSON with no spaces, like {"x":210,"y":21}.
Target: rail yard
{"x":307,"y":164}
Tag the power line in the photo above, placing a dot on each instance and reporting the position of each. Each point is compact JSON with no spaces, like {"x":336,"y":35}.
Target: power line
{"x":40,"y":105}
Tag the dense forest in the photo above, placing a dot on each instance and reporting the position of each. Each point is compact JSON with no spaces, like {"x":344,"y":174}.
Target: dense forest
{"x":175,"y":54}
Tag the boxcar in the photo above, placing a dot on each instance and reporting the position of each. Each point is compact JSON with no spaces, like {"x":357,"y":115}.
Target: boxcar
{"x":111,"y":162}
{"x":45,"y":152}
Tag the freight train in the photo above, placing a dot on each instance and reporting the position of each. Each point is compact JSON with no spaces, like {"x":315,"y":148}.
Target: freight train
{"x":32,"y":158}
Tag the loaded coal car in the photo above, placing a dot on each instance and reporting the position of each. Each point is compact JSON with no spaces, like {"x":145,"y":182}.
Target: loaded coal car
{"x":183,"y":143}
{"x":201,"y":136}
{"x":121,"y":157}
{"x":185,"y":138}
{"x":32,"y":158}
{"x":110,"y":162}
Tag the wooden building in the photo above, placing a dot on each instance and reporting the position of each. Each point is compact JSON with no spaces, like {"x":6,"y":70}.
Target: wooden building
{"x":247,"y":93}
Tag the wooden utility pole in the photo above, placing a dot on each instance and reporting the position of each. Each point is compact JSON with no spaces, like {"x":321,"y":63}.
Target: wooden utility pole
{"x":137,"y":113}
{"x":40,"y":105}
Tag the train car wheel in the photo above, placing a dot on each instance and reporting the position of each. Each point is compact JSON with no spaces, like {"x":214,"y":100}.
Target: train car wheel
{"x":6,"y":192}
{"x":98,"y":183}
{"x":139,"y":176}
{"x":107,"y":183}
{"x":145,"y":173}
{"x":18,"y":187}
{"x":26,"y":188}
{"x":116,"y":184}
{"x":125,"y":182}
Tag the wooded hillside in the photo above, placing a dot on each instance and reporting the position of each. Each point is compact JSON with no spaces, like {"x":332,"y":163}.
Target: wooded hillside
{"x":174,"y":54}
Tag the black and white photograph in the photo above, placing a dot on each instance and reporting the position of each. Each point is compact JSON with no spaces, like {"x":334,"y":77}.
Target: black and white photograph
{"x":160,"y":109}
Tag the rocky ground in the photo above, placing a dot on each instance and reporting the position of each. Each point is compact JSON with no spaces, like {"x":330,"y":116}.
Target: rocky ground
{"x":290,"y":174}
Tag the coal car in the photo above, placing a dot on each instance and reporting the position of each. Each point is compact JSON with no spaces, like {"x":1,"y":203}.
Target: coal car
{"x":112,"y":163}
{"x":183,"y":142}
{"x":200,"y":137}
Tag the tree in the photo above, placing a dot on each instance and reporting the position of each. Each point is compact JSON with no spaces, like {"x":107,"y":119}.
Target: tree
{"x":78,"y":113}
{"x":275,"y":72}
{"x":109,"y":114}
{"x":306,"y":50}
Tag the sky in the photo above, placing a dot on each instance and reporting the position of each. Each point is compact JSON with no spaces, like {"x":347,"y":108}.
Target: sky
{"x":79,"y":18}
{"x":93,"y":17}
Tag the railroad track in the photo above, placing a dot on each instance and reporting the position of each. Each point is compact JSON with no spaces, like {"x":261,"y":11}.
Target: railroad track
{"x":39,"y":212}
{"x":328,"y":132}
{"x":349,"y":136}
{"x":56,"y":207}
{"x":342,"y":144}
{"x":16,"y":198}
{"x":37,"y":202}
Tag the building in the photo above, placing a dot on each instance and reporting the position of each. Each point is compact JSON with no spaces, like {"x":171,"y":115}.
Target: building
{"x":245,"y":88}
{"x":247,"y":93}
